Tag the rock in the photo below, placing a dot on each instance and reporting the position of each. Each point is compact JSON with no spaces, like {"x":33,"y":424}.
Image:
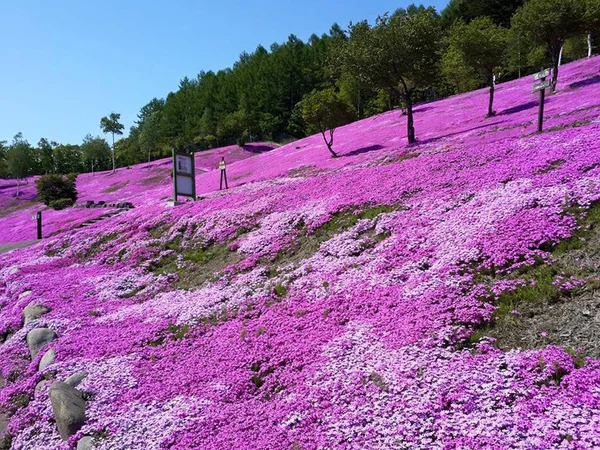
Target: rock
{"x":86,"y":443}
{"x":76,"y":378}
{"x":13,"y":271}
{"x":24,"y":294}
{"x":33,"y":312}
{"x":47,"y":359}
{"x":40,"y":386}
{"x":37,"y":338}
{"x":69,"y":409}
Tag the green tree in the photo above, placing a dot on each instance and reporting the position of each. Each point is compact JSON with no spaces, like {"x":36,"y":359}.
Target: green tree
{"x":482,"y":46}
{"x":324,"y":111}
{"x":457,"y":72}
{"x":46,"y":156}
{"x":112,"y":125}
{"x":150,"y":135}
{"x":19,"y":158}
{"x":401,"y":53}
{"x":550,"y":23}
{"x":67,"y":159}
{"x":95,"y":152}
{"x":591,"y":22}
{"x":499,"y":11}
{"x":3,"y":167}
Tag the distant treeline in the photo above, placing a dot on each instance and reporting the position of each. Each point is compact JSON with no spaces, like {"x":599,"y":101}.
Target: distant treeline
{"x":372,"y":67}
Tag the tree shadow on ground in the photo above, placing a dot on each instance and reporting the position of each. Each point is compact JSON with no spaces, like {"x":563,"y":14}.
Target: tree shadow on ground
{"x":587,"y":82}
{"x":519,"y":108}
{"x":257,"y":148}
{"x":360,"y":151}
{"x":437,"y":138}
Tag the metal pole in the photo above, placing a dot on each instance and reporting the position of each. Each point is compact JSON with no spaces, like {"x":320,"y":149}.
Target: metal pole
{"x":541,"y":112}
{"x":38,"y":217}
{"x":174,"y":178}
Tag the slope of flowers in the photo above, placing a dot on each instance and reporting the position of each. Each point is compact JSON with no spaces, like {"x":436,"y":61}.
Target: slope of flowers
{"x":341,"y":294}
{"x":140,"y":184}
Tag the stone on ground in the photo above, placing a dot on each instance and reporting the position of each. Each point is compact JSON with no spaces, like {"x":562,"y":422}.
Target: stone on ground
{"x":37,"y":338}
{"x":85,"y":443}
{"x":47,"y":359}
{"x":33,"y":312}
{"x":76,"y":378}
{"x":69,"y":409}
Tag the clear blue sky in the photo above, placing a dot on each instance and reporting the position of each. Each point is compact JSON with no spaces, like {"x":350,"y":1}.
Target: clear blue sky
{"x":65,"y":64}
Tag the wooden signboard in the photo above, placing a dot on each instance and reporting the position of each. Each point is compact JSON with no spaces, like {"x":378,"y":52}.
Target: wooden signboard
{"x":541,"y":88}
{"x":184,"y":175}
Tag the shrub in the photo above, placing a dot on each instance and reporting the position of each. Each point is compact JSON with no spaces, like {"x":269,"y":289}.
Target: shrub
{"x":61,"y":203}
{"x":56,"y":187}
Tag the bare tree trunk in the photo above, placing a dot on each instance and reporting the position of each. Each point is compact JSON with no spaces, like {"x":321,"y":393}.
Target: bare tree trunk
{"x":330,"y":143}
{"x":410,"y":122}
{"x":589,"y":42}
{"x":18,"y":186}
{"x":113,"y":153}
{"x":560,"y":55}
{"x":555,"y":66}
{"x":491,"y":111}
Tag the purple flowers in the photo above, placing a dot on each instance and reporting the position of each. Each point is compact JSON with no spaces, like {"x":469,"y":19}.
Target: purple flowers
{"x":321,"y":321}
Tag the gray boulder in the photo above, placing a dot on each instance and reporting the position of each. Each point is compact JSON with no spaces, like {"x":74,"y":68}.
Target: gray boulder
{"x":24,"y":294}
{"x":37,"y":338}
{"x":47,"y":359}
{"x":40,"y":386}
{"x":76,"y":378}
{"x":86,"y":443}
{"x":33,"y":312}
{"x":69,"y":409}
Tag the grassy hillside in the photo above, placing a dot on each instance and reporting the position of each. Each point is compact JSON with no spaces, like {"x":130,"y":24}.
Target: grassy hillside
{"x":364,"y":302}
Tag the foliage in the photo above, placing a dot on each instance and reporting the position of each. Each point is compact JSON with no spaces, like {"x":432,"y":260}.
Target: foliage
{"x":61,"y":203}
{"x":19,"y":159}
{"x":325,"y":111}
{"x":56,"y":187}
{"x":481,"y":46}
{"x":401,"y":53}
{"x":110,"y":124}
{"x":550,"y":23}
{"x":95,"y":152}
{"x":499,"y":11}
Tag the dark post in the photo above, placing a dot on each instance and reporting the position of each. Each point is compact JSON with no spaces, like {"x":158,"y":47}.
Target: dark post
{"x":174,"y":178}
{"x":38,"y":218}
{"x":541,"y":111}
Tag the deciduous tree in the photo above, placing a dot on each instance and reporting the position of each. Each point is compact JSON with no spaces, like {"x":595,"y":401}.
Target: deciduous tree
{"x":325,"y":111}
{"x":550,"y":23}
{"x":112,"y":125}
{"x":482,"y":46}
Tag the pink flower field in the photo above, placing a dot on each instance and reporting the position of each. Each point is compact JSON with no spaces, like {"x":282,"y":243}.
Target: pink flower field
{"x":318,"y":303}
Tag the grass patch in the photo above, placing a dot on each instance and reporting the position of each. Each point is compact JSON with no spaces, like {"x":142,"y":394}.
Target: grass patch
{"x":115,"y":187}
{"x":556,"y":302}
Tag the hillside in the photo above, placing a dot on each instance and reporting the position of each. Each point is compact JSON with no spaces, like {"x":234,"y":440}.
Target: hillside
{"x":372,"y":301}
{"x":139,"y":184}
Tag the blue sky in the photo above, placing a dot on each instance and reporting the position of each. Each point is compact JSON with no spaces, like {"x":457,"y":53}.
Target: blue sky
{"x":65,"y":64}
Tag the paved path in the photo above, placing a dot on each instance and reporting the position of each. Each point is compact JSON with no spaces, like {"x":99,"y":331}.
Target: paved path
{"x":13,"y":245}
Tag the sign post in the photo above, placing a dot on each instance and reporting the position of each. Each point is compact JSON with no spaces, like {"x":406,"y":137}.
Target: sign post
{"x":38,"y":219}
{"x":541,"y":87}
{"x":223,"y":168}
{"x":184,"y":175}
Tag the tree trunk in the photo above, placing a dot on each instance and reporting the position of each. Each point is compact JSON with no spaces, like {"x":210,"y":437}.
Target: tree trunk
{"x":18,"y":186}
{"x":589,"y":42}
{"x":330,"y":143}
{"x":410,"y":123}
{"x":113,"y":153}
{"x":555,"y":65}
{"x":560,"y":55}
{"x":491,"y":111}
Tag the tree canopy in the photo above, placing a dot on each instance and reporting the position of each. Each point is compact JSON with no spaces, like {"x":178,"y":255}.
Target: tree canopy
{"x":324,"y":111}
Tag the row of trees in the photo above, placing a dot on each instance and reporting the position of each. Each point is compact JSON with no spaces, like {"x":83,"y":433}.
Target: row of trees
{"x":20,"y":159}
{"x":297,"y":87}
